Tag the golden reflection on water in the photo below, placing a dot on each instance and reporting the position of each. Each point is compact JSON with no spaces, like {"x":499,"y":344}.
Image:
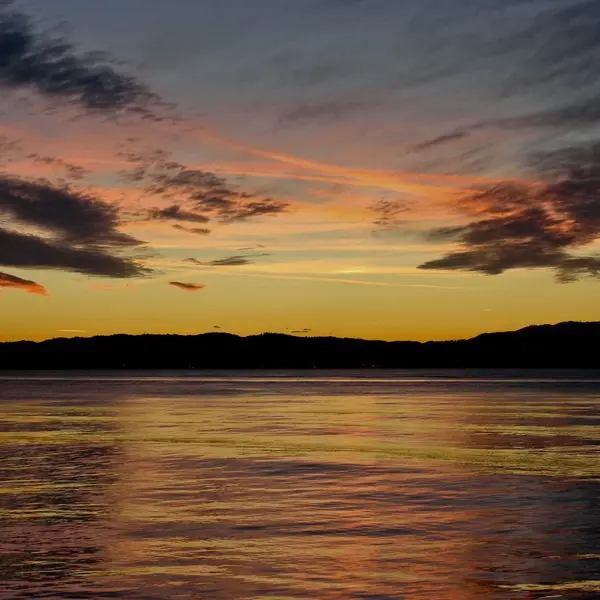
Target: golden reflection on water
{"x":336,"y":489}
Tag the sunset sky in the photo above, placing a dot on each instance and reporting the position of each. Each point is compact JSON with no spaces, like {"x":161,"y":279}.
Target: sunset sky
{"x":415,"y":169}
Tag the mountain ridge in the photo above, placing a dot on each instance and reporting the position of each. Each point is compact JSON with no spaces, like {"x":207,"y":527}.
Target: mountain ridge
{"x":569,"y":344}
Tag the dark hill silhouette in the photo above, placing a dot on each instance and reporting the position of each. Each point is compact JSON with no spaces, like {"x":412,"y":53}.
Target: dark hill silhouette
{"x":565,"y":345}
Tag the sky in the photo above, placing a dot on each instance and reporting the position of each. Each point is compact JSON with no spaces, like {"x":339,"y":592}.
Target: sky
{"x":378,"y":169}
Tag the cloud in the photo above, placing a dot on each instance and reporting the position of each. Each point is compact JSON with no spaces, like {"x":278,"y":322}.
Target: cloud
{"x":76,"y":218}
{"x":388,"y":212}
{"x":53,"y":68}
{"x":31,"y":287}
{"x":28,"y":251}
{"x":532,"y":226}
{"x":176,"y":213}
{"x":73,"y":172}
{"x":196,"y":195}
{"x":566,"y":43}
{"x":229,"y":261}
{"x":438,"y":141}
{"x":321,"y":111}
{"x":554,"y":60}
{"x":80,"y":232}
{"x":188,"y":287}
{"x":248,"y":248}
{"x":301,"y":331}
{"x":194,"y":230}
{"x":429,"y":185}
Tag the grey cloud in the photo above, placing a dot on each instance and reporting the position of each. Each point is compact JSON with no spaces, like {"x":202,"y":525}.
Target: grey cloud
{"x":563,"y":44}
{"x":28,"y":251}
{"x":73,"y":172}
{"x":438,"y":141}
{"x":196,"y":195}
{"x":520,"y":226}
{"x":569,"y":115}
{"x":554,"y":58}
{"x":321,"y":111}
{"x":177,"y":213}
{"x":53,"y":68}
{"x":76,"y":218}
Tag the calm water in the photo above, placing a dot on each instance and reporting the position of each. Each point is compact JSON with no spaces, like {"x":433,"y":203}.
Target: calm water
{"x":225,"y":486}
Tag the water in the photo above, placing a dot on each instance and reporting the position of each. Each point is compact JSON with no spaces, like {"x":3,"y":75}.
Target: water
{"x":446,"y":485}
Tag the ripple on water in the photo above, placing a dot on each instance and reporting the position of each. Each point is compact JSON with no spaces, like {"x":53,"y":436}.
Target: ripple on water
{"x":289,"y":487}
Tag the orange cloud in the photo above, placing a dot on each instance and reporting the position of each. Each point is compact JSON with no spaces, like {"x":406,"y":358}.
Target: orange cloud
{"x":188,"y":287}
{"x":31,"y":287}
{"x":375,"y":177}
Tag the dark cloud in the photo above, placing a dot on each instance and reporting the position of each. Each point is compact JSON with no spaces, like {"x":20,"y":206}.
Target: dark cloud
{"x":76,"y":218}
{"x":188,"y":287}
{"x":80,"y":231}
{"x":176,"y":213}
{"x":194,"y":230}
{"x":301,"y":331}
{"x":438,"y":141}
{"x":196,"y":195}
{"x":53,"y":68}
{"x":11,"y":281}
{"x":216,"y":327}
{"x":229,"y":261}
{"x":532,"y":226}
{"x":28,"y":251}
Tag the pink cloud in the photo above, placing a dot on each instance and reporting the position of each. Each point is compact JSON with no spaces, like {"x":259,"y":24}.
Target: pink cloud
{"x":31,"y":287}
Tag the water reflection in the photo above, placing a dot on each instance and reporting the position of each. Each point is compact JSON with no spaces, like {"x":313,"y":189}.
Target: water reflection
{"x":56,"y":471}
{"x":347,"y":489}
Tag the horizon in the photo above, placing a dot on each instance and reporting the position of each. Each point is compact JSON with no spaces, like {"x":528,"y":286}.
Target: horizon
{"x":296,"y":334}
{"x":386,"y":171}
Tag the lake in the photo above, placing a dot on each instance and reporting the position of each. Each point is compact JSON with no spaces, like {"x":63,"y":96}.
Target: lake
{"x":370,"y":485}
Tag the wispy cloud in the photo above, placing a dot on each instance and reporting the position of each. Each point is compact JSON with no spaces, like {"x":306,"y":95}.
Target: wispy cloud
{"x":202,"y":195}
{"x":348,"y":281}
{"x":194,"y":230}
{"x":321,"y":111}
{"x":229,"y":261}
{"x":439,"y":140}
{"x":177,"y":213}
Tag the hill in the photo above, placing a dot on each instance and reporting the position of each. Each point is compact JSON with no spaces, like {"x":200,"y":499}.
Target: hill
{"x":565,"y":345}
